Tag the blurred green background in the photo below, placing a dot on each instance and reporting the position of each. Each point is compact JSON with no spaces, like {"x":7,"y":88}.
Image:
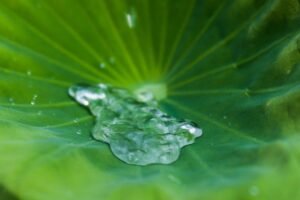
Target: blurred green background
{"x":231,"y":66}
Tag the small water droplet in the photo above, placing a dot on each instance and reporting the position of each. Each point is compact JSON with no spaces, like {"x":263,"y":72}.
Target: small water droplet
{"x":145,"y":96}
{"x":254,"y":190}
{"x":28,"y":73}
{"x":174,"y":179}
{"x":75,"y":120}
{"x":131,"y":18}
{"x":138,"y":132}
{"x":224,"y":117}
{"x":78,"y":132}
{"x":112,"y":60}
{"x":11,"y":101}
{"x":247,"y":92}
{"x":102,"y":65}
{"x":33,"y":101}
{"x":40,"y":113}
{"x":85,"y":96}
{"x":288,"y":71}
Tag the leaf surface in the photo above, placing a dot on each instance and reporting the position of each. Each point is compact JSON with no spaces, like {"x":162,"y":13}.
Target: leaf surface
{"x":231,"y":66}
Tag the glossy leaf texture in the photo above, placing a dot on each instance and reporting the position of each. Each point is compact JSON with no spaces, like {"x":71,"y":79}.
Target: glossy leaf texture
{"x":231,"y":66}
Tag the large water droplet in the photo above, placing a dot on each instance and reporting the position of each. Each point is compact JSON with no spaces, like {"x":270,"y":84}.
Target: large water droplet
{"x":137,"y":131}
{"x":131,"y":18}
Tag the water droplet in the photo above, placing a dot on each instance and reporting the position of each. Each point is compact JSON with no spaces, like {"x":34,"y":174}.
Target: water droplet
{"x":224,"y":117}
{"x":78,"y":132}
{"x":33,"y":101}
{"x":254,"y":190}
{"x":174,"y":179}
{"x":11,"y":101}
{"x":28,"y":73}
{"x":145,"y":96}
{"x":151,"y":91}
{"x":112,"y":60}
{"x":40,"y":113}
{"x":131,"y":18}
{"x":136,"y":130}
{"x":247,"y":92}
{"x":102,"y":65}
{"x":85,"y":95}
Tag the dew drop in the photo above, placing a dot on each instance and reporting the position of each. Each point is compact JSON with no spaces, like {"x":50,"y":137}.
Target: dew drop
{"x":85,"y":95}
{"x":11,"y":101}
{"x":78,"y":132}
{"x":145,"y":96}
{"x":173,"y":178}
{"x":107,"y":62}
{"x":28,"y":73}
{"x":137,"y":131}
{"x":102,"y":65}
{"x":131,"y":18}
{"x":33,"y":101}
{"x":112,"y":60}
{"x":254,"y":190}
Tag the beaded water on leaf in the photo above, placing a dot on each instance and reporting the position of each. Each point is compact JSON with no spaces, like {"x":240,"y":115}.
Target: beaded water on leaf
{"x":137,"y":131}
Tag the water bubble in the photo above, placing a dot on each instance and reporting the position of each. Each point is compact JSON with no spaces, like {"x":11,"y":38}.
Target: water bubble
{"x":33,"y":101}
{"x":131,"y":18}
{"x":136,"y":130}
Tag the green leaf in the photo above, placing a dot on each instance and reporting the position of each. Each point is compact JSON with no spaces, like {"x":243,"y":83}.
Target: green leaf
{"x":231,"y":66}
